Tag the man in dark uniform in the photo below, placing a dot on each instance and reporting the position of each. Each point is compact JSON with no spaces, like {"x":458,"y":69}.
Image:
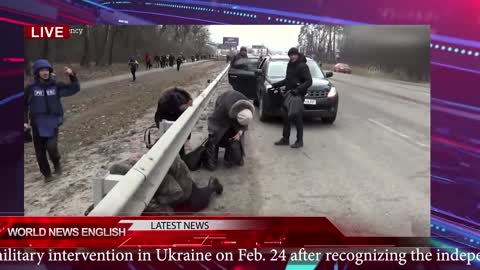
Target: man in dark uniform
{"x":43,"y":112}
{"x":298,"y":79}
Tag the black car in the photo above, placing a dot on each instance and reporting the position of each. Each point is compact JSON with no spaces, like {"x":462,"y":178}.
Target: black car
{"x":321,"y":99}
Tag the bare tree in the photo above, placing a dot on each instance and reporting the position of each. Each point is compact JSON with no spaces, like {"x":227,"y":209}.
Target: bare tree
{"x":86,"y":51}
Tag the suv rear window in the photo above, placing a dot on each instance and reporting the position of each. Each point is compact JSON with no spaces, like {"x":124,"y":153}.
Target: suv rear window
{"x":246,"y":64}
{"x":278,"y":69}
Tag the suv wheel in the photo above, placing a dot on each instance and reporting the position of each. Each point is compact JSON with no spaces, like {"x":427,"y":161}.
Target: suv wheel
{"x":329,"y":120}
{"x":261,"y":110}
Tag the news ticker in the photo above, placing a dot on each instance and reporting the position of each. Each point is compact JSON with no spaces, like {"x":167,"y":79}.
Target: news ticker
{"x":297,"y":240}
{"x":400,"y":256}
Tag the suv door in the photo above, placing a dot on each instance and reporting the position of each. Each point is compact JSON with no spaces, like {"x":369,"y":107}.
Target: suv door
{"x":241,"y":76}
{"x":260,"y":87}
{"x":273,"y":101}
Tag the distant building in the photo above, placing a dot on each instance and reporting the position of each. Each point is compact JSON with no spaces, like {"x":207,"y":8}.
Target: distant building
{"x":259,"y":50}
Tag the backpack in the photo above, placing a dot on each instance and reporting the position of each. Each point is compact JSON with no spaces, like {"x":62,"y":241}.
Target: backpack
{"x":147,"y":136}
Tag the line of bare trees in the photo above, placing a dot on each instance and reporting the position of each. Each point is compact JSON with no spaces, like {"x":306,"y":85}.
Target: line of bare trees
{"x":321,"y":42}
{"x":400,"y":50}
{"x":106,"y":44}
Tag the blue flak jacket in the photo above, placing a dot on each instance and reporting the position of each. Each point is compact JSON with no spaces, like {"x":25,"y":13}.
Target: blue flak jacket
{"x":43,"y":104}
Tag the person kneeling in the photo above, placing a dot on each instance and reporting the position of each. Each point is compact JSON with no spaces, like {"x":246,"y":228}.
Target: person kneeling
{"x":232,"y":114}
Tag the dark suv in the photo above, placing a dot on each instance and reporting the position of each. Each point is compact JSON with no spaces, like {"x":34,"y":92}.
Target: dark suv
{"x":254,"y":77}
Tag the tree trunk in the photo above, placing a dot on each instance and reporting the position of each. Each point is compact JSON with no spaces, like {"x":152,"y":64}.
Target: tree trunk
{"x":86,"y":50}
{"x":52,"y":51}
{"x":335,"y":43}
{"x":45,"y":49}
{"x":329,"y":46}
{"x":112,"y":41}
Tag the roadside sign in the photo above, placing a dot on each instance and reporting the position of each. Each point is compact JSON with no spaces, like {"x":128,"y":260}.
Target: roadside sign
{"x":232,"y":41}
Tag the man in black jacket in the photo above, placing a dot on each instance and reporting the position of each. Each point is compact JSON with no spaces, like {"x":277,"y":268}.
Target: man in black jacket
{"x":296,"y":82}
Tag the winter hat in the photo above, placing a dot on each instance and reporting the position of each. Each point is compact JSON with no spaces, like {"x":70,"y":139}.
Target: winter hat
{"x":244,"y":117}
{"x":293,"y":51}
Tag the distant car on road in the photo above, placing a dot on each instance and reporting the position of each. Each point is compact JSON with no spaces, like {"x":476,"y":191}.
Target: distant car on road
{"x":342,"y":68}
{"x":321,"y":99}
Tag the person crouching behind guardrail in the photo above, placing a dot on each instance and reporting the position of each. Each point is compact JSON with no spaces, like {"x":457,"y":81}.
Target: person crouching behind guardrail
{"x":43,"y":113}
{"x":171,"y":104}
{"x":232,"y":114}
{"x":177,"y":192}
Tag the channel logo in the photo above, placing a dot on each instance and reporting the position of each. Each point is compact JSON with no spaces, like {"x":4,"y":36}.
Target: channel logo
{"x":47,"y":32}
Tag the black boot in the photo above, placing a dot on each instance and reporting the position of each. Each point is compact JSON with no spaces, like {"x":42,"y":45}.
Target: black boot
{"x":297,"y":144}
{"x":48,"y":178}
{"x":210,"y":161}
{"x":58,"y":168}
{"x":282,"y":141}
{"x":215,"y":185}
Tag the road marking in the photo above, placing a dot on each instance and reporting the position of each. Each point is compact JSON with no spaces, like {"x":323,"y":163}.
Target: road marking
{"x":398,"y":133}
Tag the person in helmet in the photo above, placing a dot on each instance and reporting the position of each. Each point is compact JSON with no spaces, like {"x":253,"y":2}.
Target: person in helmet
{"x":43,"y":113}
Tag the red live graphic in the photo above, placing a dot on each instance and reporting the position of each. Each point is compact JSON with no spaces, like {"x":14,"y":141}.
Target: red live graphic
{"x":47,"y":32}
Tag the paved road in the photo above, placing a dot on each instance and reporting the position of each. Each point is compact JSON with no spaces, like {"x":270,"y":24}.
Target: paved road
{"x":369,"y":172}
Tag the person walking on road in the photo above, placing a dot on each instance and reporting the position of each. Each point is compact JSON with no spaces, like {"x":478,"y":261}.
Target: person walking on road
{"x":298,"y":79}
{"x":157,"y":61}
{"x":148,"y":61}
{"x":240,"y":55}
{"x":179,"y":62}
{"x":43,"y":113}
{"x":171,"y":60}
{"x":163,"y":61}
{"x":133,"y":64}
{"x":226,"y":125}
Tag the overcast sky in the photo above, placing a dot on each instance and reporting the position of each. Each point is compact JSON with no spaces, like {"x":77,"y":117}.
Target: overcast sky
{"x":274,"y":37}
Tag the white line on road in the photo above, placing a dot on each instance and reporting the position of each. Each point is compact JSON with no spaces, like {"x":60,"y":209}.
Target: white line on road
{"x":398,"y":133}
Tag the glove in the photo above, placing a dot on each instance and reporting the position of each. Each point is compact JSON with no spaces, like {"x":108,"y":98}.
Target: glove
{"x":295,"y":92}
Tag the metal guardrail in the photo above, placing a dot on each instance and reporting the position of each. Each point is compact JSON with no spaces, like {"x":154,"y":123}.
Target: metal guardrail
{"x":133,"y":192}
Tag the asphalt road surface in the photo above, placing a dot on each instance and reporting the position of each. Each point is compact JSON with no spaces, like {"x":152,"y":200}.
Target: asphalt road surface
{"x":369,"y":172}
